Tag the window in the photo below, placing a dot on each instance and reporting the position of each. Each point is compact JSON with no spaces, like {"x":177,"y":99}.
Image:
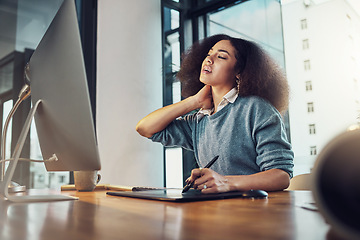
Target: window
{"x":303,"y":24}
{"x":308,"y":86}
{"x":25,"y":38}
{"x":312,"y":129}
{"x":353,"y":62}
{"x":172,"y":48}
{"x":310,"y":107}
{"x":305,"y":44}
{"x":264,"y":27}
{"x":62,"y":179}
{"x":313,"y":150}
{"x":187,"y":21}
{"x":349,"y":21}
{"x":351,"y":40}
{"x":356,"y":84}
{"x":307,"y":65}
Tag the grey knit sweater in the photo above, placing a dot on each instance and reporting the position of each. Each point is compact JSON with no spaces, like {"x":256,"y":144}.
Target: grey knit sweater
{"x":248,"y":135}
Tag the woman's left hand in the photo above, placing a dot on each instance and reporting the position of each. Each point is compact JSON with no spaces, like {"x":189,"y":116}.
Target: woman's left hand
{"x":209,"y":181}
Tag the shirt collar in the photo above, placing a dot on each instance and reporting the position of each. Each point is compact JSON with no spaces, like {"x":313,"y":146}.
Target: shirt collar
{"x":229,"y":97}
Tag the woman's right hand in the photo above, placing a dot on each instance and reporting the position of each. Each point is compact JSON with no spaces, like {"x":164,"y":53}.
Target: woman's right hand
{"x":159,"y":119}
{"x":204,"y":97}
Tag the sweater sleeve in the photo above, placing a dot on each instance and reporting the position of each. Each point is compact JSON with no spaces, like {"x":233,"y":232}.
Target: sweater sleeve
{"x":272,"y":146}
{"x":178,"y":133}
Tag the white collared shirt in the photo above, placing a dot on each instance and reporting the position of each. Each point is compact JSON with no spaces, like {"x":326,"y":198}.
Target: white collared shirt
{"x":230,"y":97}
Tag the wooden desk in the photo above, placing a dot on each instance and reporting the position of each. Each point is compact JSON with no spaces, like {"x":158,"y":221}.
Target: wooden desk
{"x":98,"y":216}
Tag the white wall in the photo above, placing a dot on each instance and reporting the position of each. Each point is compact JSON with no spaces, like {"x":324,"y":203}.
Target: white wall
{"x":129,"y":86}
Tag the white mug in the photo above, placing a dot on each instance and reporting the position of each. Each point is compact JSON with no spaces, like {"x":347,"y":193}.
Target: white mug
{"x":86,"y":180}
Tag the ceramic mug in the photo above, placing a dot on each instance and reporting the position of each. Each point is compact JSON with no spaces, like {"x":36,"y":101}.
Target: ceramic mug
{"x":86,"y":180}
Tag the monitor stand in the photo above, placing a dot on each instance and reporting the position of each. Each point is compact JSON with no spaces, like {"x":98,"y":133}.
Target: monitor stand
{"x":15,"y":187}
{"x":4,"y":184}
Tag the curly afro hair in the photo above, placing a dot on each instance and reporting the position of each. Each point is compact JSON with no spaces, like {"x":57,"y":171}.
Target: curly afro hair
{"x":259,"y":74}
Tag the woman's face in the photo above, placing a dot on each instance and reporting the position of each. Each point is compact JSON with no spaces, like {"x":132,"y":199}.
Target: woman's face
{"x":218,"y":68}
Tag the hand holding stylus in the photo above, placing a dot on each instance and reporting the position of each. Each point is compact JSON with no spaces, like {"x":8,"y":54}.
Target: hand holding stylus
{"x":191,"y":184}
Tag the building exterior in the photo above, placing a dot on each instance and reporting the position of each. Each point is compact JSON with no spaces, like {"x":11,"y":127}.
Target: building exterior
{"x":322,"y":57}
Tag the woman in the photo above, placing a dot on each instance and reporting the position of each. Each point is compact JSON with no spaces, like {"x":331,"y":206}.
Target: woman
{"x":240,"y":92}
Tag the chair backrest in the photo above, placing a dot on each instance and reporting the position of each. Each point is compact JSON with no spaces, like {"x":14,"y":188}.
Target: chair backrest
{"x":300,"y":182}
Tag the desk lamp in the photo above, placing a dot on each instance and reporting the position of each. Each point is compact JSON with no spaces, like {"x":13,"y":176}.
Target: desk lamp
{"x":24,"y":94}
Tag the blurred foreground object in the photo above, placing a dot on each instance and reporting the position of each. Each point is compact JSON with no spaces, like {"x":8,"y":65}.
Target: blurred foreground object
{"x":336,"y":183}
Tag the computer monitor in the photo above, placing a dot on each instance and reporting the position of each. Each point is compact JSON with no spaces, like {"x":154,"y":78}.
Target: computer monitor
{"x":61,"y":103}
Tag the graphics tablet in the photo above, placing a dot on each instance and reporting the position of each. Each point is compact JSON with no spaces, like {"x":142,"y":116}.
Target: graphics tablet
{"x":176,"y":195}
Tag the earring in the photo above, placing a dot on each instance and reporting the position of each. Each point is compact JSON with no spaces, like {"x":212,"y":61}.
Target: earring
{"x":238,"y":83}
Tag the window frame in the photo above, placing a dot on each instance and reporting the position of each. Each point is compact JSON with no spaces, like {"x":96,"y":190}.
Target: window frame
{"x":312,"y":129}
{"x":313,"y":150}
{"x":308,"y":86}
{"x":307,"y":65}
{"x":310,"y":107}
{"x":193,"y":26}
{"x":303,"y":24}
{"x":305,"y":44}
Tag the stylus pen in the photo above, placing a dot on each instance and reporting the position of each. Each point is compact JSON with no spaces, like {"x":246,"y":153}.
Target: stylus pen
{"x":189,"y":185}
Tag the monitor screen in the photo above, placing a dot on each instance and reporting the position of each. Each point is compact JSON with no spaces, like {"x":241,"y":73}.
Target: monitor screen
{"x":63,"y":120}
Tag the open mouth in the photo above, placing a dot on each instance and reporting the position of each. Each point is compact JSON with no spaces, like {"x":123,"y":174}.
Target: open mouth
{"x":207,"y":69}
